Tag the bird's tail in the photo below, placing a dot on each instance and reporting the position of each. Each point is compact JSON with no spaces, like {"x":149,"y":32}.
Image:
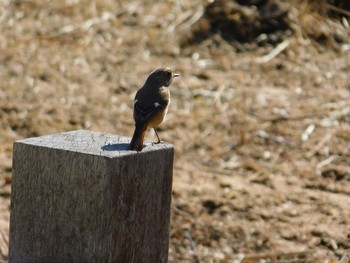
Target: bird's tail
{"x":138,"y":137}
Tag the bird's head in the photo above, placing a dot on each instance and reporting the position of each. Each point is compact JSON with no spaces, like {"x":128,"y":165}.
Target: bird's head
{"x":162,"y":77}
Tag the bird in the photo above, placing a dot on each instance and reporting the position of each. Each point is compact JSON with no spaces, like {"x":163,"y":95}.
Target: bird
{"x":151,"y":105}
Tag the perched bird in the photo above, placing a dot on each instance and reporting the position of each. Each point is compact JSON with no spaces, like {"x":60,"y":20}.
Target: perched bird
{"x":151,"y":105}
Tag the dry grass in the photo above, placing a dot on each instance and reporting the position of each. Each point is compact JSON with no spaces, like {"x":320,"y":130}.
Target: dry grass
{"x":261,"y":127}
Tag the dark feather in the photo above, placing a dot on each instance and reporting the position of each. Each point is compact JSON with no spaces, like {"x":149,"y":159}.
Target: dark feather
{"x":143,"y":114}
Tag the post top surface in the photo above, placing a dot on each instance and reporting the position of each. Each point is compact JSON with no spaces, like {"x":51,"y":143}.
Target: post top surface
{"x":90,"y":142}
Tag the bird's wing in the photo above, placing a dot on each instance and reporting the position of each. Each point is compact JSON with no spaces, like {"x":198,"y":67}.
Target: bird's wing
{"x":143,"y":114}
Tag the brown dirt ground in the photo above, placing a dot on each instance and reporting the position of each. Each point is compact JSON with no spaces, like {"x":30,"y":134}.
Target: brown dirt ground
{"x":262,"y":143}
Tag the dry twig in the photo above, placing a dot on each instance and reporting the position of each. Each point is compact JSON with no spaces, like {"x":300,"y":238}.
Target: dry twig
{"x":274,"y":53}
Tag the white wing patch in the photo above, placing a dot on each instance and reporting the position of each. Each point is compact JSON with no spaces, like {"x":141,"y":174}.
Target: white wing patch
{"x":135,"y":101}
{"x":156,"y":104}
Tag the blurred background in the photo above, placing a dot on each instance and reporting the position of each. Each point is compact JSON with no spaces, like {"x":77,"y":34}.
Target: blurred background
{"x":260,"y":117}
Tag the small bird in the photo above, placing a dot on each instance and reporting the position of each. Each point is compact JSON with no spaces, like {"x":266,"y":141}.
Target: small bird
{"x":151,"y":105}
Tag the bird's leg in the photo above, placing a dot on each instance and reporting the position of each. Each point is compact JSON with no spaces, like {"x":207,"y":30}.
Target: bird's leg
{"x":159,"y":141}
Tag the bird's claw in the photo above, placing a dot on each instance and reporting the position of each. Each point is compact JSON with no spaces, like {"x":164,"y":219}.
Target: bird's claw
{"x":158,"y":142}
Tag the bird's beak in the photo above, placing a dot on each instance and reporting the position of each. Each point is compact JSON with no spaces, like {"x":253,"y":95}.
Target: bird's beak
{"x":176,"y":75}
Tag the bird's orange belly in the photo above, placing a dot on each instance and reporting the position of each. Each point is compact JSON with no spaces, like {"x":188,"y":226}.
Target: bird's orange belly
{"x":157,"y":119}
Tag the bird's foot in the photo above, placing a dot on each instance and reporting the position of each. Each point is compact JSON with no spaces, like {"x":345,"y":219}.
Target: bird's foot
{"x":157,"y":142}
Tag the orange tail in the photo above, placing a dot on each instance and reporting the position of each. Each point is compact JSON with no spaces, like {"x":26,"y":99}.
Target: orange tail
{"x":138,"y":137}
